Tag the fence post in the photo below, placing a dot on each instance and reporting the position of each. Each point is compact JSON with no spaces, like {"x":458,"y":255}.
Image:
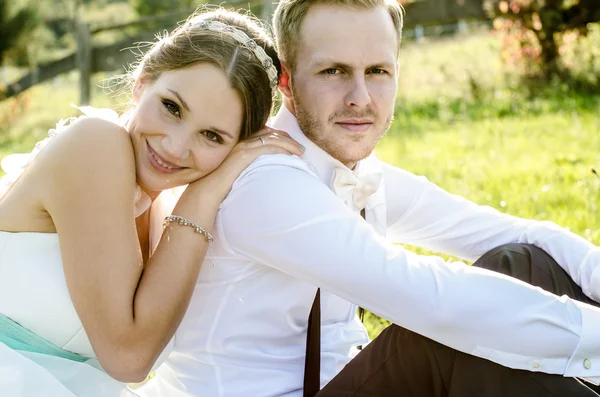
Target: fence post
{"x":462,"y":28}
{"x":419,"y":33}
{"x":267,"y":10}
{"x":4,"y":75}
{"x":84,"y":62}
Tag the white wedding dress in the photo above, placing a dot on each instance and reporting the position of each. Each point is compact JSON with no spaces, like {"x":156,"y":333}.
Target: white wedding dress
{"x":34,"y":294}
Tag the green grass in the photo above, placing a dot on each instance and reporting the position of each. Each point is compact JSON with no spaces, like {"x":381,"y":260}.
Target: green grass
{"x":26,"y":119}
{"x":460,"y":121}
{"x":526,"y":156}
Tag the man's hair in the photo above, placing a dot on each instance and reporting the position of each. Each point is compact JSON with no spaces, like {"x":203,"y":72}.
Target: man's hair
{"x":290,"y":14}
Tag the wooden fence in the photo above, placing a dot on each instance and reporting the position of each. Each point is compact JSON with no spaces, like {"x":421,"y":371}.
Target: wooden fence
{"x":89,"y":58}
{"x":442,"y":12}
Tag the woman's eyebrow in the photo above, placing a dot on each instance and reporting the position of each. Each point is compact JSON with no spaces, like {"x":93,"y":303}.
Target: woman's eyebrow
{"x":185,"y":105}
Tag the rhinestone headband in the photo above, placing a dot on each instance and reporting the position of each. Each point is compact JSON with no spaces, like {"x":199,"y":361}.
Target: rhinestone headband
{"x":247,"y":42}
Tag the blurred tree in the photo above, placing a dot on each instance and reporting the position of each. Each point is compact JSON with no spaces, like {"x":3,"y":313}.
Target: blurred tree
{"x":536,"y":27}
{"x":155,"y":7}
{"x":14,"y":27}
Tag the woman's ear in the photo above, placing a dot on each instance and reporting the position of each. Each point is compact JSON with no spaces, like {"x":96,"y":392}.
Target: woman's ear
{"x":284,"y":82}
{"x":138,"y":87}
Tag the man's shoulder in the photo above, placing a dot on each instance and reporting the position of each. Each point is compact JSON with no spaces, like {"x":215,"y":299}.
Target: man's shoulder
{"x":284,"y":164}
{"x":282,"y":176}
{"x":392,"y":171}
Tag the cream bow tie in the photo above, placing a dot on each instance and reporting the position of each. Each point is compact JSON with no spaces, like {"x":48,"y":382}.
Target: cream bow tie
{"x":348,"y":187}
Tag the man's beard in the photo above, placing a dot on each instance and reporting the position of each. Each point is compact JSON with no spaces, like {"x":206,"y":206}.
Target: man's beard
{"x":314,"y":130}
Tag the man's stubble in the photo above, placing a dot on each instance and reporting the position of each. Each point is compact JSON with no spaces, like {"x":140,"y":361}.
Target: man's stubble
{"x":312,"y":127}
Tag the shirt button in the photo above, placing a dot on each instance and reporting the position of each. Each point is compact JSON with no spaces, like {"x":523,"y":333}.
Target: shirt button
{"x":536,"y":365}
{"x":587,"y":364}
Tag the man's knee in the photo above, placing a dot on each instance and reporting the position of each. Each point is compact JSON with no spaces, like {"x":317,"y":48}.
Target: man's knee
{"x":520,"y":261}
{"x":396,"y":337}
{"x":511,"y":259}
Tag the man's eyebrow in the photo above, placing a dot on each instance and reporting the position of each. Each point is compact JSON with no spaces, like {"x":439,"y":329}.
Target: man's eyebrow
{"x":383,"y":65}
{"x":185,"y":105}
{"x":330,"y":64}
{"x":344,"y":66}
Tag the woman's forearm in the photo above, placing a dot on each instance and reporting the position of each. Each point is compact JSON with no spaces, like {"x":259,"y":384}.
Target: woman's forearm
{"x":167,"y":283}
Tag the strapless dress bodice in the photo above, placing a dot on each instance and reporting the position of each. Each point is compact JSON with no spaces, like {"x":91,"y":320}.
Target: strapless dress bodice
{"x":33,"y":290}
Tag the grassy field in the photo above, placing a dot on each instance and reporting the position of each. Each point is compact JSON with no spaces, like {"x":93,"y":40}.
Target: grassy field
{"x":458,"y":122}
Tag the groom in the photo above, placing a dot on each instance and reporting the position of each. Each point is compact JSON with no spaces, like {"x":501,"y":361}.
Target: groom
{"x":292,"y":225}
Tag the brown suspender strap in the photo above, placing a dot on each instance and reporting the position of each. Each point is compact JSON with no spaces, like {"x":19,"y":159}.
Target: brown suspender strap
{"x":312,"y":365}
{"x":361,"y":311}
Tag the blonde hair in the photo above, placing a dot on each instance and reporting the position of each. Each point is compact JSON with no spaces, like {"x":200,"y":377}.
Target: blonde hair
{"x":190,"y":44}
{"x":290,"y":14}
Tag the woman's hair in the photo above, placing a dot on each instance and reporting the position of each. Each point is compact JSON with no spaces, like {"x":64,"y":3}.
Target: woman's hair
{"x":192,"y":43}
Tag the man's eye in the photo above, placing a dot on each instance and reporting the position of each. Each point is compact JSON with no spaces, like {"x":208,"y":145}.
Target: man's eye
{"x":331,"y":71}
{"x":378,"y":71}
{"x":171,"y":107}
{"x":212,"y":136}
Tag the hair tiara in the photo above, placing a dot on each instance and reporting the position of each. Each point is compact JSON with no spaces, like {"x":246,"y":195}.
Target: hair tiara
{"x":242,"y":38}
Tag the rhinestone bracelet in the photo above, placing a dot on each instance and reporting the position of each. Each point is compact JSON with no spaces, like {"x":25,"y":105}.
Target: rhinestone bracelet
{"x":186,"y":222}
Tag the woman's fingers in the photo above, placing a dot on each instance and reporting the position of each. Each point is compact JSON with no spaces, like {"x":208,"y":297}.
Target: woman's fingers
{"x":269,"y":130}
{"x":268,"y":141}
{"x":277,"y":138}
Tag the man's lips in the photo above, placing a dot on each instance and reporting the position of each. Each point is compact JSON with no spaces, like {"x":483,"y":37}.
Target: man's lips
{"x":355,"y":125}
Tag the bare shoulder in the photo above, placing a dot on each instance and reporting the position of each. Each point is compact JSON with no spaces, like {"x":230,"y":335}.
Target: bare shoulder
{"x":92,"y":154}
{"x":93,"y":137}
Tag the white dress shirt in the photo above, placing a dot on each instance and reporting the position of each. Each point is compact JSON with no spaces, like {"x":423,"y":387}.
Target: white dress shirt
{"x":281,"y":232}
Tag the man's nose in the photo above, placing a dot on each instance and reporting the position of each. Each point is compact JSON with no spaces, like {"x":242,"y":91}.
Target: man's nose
{"x":359,"y":95}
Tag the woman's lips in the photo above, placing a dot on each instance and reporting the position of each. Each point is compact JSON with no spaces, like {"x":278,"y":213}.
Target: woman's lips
{"x":159,"y":164}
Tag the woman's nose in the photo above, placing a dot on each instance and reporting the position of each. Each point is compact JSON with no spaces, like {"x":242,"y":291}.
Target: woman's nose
{"x":176,"y":144}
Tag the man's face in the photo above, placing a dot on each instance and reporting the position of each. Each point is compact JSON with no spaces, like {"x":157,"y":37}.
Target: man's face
{"x":344,"y":79}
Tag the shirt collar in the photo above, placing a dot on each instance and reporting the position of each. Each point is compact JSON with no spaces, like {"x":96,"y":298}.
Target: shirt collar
{"x":322,"y":164}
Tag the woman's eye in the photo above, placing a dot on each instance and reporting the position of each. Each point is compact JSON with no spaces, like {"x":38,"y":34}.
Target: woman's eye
{"x":172,"y":107}
{"x":212,"y":136}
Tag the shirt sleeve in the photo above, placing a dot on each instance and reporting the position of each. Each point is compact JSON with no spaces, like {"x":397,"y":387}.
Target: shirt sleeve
{"x":422,"y":214}
{"x":281,"y":216}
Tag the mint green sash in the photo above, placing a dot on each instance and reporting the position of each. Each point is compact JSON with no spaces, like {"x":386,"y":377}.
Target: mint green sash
{"x":19,"y":338}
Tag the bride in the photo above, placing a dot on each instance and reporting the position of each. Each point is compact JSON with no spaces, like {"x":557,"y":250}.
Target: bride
{"x":90,"y":293}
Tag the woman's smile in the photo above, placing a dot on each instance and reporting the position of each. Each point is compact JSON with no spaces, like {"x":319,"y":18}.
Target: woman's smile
{"x":160,"y":164}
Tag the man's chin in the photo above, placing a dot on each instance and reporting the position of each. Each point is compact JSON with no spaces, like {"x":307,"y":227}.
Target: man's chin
{"x":350,"y":154}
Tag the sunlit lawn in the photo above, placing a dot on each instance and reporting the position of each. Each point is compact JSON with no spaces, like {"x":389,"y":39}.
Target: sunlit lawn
{"x":456,"y":123}
{"x":529,"y":158}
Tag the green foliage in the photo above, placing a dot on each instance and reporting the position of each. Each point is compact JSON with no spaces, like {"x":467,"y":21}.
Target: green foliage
{"x":534,"y":30}
{"x":461,"y":120}
{"x":155,"y":7}
{"x":14,"y":26}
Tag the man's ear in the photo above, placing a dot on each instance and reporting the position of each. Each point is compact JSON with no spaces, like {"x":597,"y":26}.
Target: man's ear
{"x":138,"y":87}
{"x":284,"y":82}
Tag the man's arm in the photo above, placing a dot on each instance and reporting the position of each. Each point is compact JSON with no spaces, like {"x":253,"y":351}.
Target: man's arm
{"x":422,"y":214}
{"x":284,"y":217}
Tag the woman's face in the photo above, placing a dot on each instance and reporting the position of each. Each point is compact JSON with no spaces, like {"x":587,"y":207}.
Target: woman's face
{"x":183,"y":126}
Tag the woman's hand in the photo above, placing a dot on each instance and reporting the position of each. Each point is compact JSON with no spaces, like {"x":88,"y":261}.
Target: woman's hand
{"x":267,"y":141}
